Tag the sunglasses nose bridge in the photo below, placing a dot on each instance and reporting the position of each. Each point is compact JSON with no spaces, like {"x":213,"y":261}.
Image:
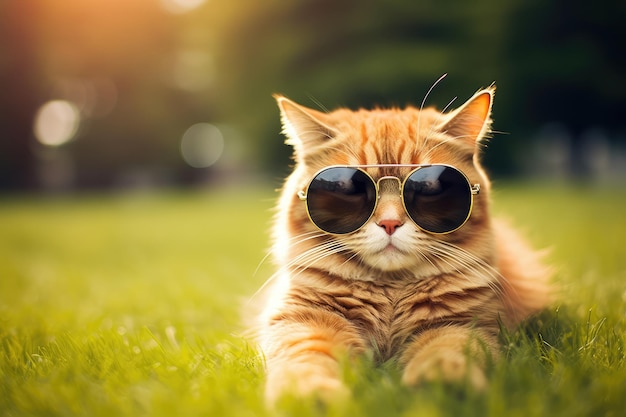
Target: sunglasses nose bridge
{"x":388,"y":178}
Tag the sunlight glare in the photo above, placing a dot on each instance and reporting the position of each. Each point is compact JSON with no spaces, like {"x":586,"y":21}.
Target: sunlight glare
{"x":56,"y":122}
{"x":181,"y":6}
{"x":202,"y":145}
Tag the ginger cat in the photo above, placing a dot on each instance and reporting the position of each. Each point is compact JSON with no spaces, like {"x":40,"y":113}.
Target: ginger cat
{"x":385,"y":246}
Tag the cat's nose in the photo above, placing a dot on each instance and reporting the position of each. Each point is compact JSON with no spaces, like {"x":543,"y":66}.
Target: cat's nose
{"x":390,"y":226}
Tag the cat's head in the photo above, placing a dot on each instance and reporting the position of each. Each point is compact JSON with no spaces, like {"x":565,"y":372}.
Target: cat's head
{"x":389,"y":241}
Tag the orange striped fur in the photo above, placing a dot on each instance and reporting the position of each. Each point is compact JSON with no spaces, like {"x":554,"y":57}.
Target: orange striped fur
{"x":431,"y":302}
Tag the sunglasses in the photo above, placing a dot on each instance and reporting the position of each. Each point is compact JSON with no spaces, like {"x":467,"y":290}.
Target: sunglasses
{"x":437,"y":198}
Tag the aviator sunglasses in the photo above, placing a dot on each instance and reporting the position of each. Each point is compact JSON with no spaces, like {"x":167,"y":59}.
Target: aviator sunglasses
{"x":341,"y":199}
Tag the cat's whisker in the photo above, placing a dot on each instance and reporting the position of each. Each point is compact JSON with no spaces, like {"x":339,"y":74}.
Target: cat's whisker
{"x":313,"y":257}
{"x":316,"y":132}
{"x":444,"y":257}
{"x":351,"y":258}
{"x":419,"y":116}
{"x":443,"y":142}
{"x":309,"y":233}
{"x":308,"y":258}
{"x":313,"y":253}
{"x":465,"y":259}
{"x":304,"y":264}
{"x":295,"y":239}
{"x":436,"y":124}
{"x":262,"y":288}
{"x":318,"y":103}
{"x":305,"y":237}
{"x":471,"y":272}
{"x":350,"y":154}
{"x":425,"y":256}
{"x":261,"y":262}
{"x":474,"y":264}
{"x":463,"y":252}
{"x":445,"y":109}
{"x":458,"y":258}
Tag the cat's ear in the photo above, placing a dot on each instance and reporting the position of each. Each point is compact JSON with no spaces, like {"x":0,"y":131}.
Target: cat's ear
{"x":472,"y":121}
{"x":305,"y":128}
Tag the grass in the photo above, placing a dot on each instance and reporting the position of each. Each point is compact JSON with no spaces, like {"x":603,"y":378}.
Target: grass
{"x":130,"y":305}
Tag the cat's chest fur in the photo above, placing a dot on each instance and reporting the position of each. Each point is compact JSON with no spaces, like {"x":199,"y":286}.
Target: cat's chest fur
{"x":388,"y":314}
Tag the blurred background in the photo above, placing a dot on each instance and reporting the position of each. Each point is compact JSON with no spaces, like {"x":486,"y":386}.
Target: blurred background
{"x":111,"y":94}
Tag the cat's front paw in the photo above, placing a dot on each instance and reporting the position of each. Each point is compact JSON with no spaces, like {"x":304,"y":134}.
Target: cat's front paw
{"x":445,"y":366}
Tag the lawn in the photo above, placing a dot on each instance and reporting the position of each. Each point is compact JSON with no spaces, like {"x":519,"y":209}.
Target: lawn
{"x":131,"y":304}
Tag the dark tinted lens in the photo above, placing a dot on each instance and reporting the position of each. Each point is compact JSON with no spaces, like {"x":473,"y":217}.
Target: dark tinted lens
{"x":438,"y":198}
{"x":340,"y":200}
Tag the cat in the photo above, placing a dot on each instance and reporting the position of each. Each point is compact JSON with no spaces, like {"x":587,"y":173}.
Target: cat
{"x":382,"y":276}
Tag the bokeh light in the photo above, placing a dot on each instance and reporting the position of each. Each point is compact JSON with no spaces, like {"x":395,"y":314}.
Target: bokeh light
{"x":181,"y":6}
{"x":193,"y":70}
{"x":202,"y":145}
{"x":56,"y":122}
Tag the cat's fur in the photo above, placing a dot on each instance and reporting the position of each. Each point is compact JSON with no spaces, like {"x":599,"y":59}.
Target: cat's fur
{"x":431,"y":302}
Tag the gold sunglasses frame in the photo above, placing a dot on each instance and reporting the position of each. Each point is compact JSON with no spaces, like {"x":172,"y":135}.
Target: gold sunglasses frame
{"x":473,"y":188}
